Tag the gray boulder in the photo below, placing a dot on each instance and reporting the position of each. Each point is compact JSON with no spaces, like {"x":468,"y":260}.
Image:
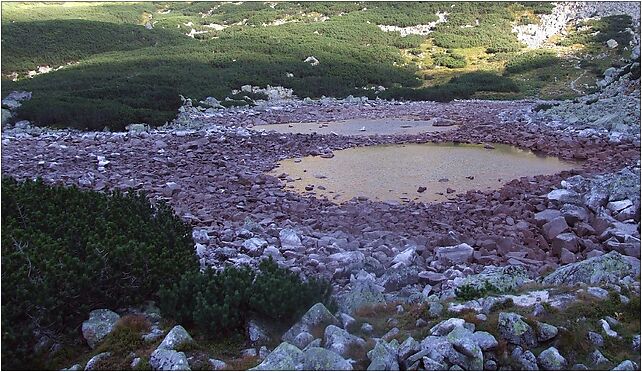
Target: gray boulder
{"x":384,"y":356}
{"x":100,"y":323}
{"x":456,"y":254}
{"x":524,"y":359}
{"x":503,"y":279}
{"x":257,"y":333}
{"x":6,"y":115}
{"x":598,"y":358}
{"x":93,"y":362}
{"x":314,"y":321}
{"x":285,"y":357}
{"x":399,"y":276}
{"x":176,"y":338}
{"x":289,"y":239}
{"x":608,"y":268}
{"x":463,"y":342}
{"x":444,"y":327}
{"x":485,"y":340}
{"x":168,"y":360}
{"x":302,"y":340}
{"x":320,"y":359}
{"x":515,"y":330}
{"x":546,"y":332}
{"x":551,"y":360}
{"x":364,"y":292}
{"x":626,"y":365}
{"x":342,"y":342}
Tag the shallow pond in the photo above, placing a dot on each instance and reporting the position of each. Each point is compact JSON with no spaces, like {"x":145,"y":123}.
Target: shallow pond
{"x":396,"y":172}
{"x":360,"y":127}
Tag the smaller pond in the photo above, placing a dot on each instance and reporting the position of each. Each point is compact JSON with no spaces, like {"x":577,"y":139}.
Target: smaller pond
{"x":355,"y":127}
{"x":397,"y":172}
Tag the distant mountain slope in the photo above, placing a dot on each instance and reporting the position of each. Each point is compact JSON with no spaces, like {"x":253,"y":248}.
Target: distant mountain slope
{"x":132,"y":60}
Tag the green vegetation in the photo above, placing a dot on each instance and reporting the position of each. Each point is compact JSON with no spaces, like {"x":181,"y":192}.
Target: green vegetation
{"x":594,"y":33}
{"x":222,"y":302}
{"x":449,"y":59}
{"x":66,"y":251}
{"x":124,"y":73}
{"x":469,"y":292}
{"x":531,"y":60}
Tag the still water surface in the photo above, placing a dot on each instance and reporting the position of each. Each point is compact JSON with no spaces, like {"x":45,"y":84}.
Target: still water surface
{"x":395,"y":172}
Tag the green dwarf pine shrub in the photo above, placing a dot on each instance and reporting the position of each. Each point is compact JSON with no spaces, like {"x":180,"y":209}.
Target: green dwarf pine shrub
{"x":222,"y":302}
{"x":66,"y":251}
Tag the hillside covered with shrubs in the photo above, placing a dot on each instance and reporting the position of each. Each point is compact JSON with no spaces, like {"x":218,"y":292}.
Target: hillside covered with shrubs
{"x":129,"y":62}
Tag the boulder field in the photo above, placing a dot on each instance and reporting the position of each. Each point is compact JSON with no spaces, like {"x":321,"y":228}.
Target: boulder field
{"x":443,"y":258}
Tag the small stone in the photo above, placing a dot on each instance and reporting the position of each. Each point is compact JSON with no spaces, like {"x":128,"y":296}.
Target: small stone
{"x":367,"y":328}
{"x":217,"y":364}
{"x":595,"y":339}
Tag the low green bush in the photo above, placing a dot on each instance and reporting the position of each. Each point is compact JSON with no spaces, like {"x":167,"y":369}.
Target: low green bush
{"x":222,"y":302}
{"x":67,"y":251}
{"x":450,"y":60}
{"x":531,"y":60}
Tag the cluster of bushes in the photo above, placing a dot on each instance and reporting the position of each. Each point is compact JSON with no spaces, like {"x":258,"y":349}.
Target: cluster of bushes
{"x":67,"y":251}
{"x":473,"y":25}
{"x":130,"y":74}
{"x":531,"y":60}
{"x":222,"y":302}
{"x":449,"y":59}
{"x":459,"y":87}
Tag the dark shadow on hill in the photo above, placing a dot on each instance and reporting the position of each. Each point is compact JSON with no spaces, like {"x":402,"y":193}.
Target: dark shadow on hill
{"x":26,"y":45}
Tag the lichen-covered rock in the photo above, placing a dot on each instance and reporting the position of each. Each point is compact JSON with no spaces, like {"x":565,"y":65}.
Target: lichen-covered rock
{"x":524,"y":359}
{"x":314,"y":321}
{"x":551,"y":360}
{"x":302,"y":340}
{"x":515,"y":330}
{"x":445,"y":326}
{"x":177,"y":337}
{"x":100,"y":323}
{"x":456,"y":254}
{"x":285,"y":357}
{"x":364,"y":292}
{"x":340,"y":341}
{"x":485,"y":340}
{"x":546,"y":332}
{"x":384,"y":356}
{"x":93,"y":362}
{"x":501,"y":279}
{"x":257,"y":334}
{"x":168,"y":360}
{"x":608,"y":268}
{"x":320,"y":359}
{"x":626,"y":365}
{"x":462,"y":341}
